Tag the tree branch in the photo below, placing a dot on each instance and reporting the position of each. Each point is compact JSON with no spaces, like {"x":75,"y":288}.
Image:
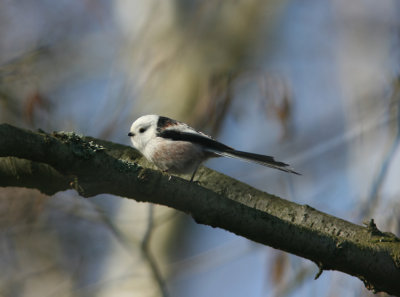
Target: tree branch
{"x":92,"y":166}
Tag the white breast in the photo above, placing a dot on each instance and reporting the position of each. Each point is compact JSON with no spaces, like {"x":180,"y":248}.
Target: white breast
{"x":174,"y":156}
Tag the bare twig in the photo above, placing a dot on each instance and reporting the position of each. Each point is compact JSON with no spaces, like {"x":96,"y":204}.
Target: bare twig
{"x":145,"y":246}
{"x":374,"y":195}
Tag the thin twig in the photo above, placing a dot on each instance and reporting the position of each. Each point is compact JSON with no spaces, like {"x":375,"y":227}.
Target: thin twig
{"x":374,"y":196}
{"x":145,"y":246}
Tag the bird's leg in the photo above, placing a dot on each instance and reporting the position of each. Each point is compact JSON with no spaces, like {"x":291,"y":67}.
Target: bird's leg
{"x":194,"y":172}
{"x":169,"y":175}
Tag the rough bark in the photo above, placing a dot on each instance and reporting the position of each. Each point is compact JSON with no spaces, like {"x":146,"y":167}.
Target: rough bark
{"x":59,"y":161}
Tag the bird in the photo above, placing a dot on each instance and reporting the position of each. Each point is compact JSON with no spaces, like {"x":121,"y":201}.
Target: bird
{"x":175,"y":147}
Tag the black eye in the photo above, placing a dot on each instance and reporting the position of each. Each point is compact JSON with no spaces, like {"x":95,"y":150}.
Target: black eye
{"x":142,"y":130}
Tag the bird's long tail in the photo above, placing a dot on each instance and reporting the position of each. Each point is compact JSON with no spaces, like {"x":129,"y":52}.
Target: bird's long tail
{"x":256,"y":158}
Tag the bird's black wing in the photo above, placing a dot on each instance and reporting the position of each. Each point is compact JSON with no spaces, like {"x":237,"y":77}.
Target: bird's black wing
{"x":207,"y":143}
{"x":221,"y":149}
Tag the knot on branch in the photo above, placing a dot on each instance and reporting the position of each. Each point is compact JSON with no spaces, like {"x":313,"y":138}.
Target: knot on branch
{"x":321,"y":269}
{"x":383,"y":236}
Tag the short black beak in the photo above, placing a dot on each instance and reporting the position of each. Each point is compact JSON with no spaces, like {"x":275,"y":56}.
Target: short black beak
{"x":131,"y":134}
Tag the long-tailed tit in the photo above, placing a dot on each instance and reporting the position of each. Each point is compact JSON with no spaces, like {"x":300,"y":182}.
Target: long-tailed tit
{"x":175,"y":147}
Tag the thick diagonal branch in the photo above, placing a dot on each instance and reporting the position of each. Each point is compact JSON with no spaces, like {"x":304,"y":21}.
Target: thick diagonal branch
{"x":92,"y":166}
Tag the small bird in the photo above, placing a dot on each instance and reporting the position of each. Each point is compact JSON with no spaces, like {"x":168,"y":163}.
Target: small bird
{"x":175,"y":147}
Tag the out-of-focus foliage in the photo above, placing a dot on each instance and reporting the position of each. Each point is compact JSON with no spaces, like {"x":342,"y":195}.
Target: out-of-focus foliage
{"x":314,"y":83}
